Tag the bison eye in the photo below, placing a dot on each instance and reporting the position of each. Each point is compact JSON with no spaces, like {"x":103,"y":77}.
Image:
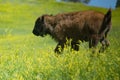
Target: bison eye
{"x":41,"y":28}
{"x":38,"y":25}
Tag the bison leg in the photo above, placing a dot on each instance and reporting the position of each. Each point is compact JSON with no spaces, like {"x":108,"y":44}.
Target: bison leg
{"x":90,"y":43}
{"x":75,"y":46}
{"x":93,"y":42}
{"x":105,"y":43}
{"x":59,"y":48}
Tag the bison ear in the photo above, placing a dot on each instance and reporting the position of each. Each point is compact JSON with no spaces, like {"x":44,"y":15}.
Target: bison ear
{"x":42,"y":18}
{"x":107,"y":17}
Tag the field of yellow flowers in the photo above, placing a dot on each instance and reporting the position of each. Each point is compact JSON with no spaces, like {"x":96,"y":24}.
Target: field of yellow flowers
{"x":24,"y":56}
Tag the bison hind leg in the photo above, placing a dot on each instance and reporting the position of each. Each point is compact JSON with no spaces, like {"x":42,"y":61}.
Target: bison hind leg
{"x":93,"y":42}
{"x":105,"y":44}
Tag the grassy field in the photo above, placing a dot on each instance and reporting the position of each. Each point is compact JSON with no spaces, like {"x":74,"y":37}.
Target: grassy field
{"x":24,"y":56}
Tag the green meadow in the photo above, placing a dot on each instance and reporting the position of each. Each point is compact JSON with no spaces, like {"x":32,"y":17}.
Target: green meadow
{"x":24,"y":56}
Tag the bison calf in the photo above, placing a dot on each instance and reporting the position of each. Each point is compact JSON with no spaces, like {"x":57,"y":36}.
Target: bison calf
{"x":91,"y":26}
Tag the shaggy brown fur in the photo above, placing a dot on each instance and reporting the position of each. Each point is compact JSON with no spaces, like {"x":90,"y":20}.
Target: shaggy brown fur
{"x":91,"y":26}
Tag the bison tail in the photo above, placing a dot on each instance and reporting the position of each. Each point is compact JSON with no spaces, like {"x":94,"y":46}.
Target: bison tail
{"x":106,"y":22}
{"x":107,"y":17}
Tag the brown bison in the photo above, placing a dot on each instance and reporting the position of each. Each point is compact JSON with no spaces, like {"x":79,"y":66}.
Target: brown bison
{"x":91,"y":26}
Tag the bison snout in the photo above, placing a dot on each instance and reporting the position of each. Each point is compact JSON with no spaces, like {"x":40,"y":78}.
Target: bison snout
{"x":35,"y":33}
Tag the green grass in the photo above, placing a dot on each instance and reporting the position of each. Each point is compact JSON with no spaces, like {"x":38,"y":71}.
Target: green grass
{"x":24,"y":56}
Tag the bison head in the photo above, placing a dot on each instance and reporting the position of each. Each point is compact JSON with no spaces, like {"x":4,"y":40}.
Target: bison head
{"x":40,"y":28}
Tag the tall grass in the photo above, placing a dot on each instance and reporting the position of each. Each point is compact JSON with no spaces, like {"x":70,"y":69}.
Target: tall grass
{"x":24,"y":56}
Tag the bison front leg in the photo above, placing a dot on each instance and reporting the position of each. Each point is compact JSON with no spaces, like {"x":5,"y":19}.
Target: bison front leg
{"x":59,"y":48}
{"x":75,"y":46}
